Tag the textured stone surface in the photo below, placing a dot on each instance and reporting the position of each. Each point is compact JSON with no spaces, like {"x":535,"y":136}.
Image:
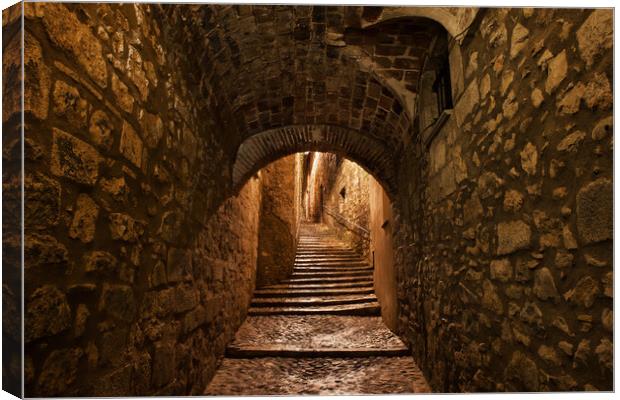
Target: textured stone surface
{"x":216,"y":78}
{"x":594,"y":211}
{"x":331,"y":376}
{"x":558,"y":68}
{"x":280,"y":199}
{"x":594,"y":35}
{"x":346,"y":196}
{"x":131,"y":145}
{"x":512,"y":236}
{"x":83,"y":224}
{"x":59,"y":371}
{"x":66,"y":31}
{"x":316,"y":331}
{"x":74,"y":158}
{"x":47,"y":313}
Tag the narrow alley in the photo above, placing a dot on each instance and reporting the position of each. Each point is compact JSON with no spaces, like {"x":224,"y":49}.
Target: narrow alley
{"x":286,"y":199}
{"x":318,"y":332}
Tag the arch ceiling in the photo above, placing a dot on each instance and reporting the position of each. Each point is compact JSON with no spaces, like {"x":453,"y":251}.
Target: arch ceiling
{"x":265,"y":147}
{"x":272,"y":67}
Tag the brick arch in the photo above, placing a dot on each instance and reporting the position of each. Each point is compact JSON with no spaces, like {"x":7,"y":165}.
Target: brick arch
{"x":261,"y":149}
{"x":455,"y":20}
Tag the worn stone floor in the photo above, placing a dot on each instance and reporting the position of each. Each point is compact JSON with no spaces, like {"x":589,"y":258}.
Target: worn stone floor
{"x":318,"y":332}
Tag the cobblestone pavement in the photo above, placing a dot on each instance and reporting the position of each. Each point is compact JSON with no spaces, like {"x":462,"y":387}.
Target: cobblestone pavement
{"x":328,"y":376}
{"x":320,"y":331}
{"x":342,"y":348}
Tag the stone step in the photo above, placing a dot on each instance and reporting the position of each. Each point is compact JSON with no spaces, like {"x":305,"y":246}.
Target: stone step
{"x":332,"y":268}
{"x":312,"y":301}
{"x":318,"y":238}
{"x":298,"y":274}
{"x":322,"y":247}
{"x":367,"y":277}
{"x":330,"y":263}
{"x":282,"y":350}
{"x":324,"y":253}
{"x":323,"y":285}
{"x":369,"y":308}
{"x":324,"y":258}
{"x":311,"y":292}
{"x":322,"y":242}
{"x":327,"y":253}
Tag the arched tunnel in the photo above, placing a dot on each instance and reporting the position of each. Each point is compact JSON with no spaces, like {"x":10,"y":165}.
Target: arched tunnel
{"x":178,"y":159}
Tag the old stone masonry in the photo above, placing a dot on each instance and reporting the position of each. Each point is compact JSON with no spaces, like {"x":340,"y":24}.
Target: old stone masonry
{"x":262,"y":199}
{"x":318,"y":332}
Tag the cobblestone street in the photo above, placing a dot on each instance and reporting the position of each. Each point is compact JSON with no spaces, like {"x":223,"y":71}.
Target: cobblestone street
{"x":289,"y":352}
{"x":328,"y":376}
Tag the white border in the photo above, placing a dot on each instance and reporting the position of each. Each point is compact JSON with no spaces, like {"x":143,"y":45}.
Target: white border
{"x":458,"y":3}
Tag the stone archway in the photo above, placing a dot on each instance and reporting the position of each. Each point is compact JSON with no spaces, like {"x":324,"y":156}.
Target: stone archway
{"x":261,"y":149}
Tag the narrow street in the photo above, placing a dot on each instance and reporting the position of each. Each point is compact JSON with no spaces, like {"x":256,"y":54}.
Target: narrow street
{"x":318,"y":332}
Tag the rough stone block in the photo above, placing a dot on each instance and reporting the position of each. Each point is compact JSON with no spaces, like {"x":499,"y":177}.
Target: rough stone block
{"x":490,"y":298}
{"x":124,"y":227}
{"x":467,"y":102}
{"x":557,"y":69}
{"x":153,"y":129}
{"x":595,"y":211}
{"x":584,"y":293}
{"x":101,"y":262}
{"x":42,"y":201}
{"x":115,"y":383}
{"x":178,"y":264}
{"x":69,"y":104}
{"x":513,"y":236}
{"x":59,"y":372}
{"x":118,"y":301}
{"x":521,"y":373}
{"x":501,"y":270}
{"x":36,"y":85}
{"x":66,"y":31}
{"x":131,"y":145}
{"x":595,"y":35}
{"x":74,"y":159}
{"x":163,"y":364}
{"x":519,"y":39}
{"x":185,"y":298}
{"x":84,"y":219}
{"x":100,"y":130}
{"x":544,"y":284}
{"x":47,"y":313}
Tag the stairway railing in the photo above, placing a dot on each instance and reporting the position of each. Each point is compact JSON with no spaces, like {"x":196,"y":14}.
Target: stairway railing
{"x":350,"y":225}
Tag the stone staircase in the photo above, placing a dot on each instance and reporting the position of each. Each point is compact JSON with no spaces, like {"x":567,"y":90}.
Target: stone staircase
{"x":328,"y":278}
{"x":318,"y":332}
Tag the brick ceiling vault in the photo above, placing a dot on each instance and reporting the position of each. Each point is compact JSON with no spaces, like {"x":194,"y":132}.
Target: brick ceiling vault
{"x":272,"y":67}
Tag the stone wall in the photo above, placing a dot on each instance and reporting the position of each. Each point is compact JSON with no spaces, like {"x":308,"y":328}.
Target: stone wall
{"x":346,"y":207}
{"x":503,"y":224}
{"x":381,"y":224}
{"x":354,"y":199}
{"x":224,"y":258}
{"x":137,"y":272}
{"x":12,"y":332}
{"x":278,"y":221}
